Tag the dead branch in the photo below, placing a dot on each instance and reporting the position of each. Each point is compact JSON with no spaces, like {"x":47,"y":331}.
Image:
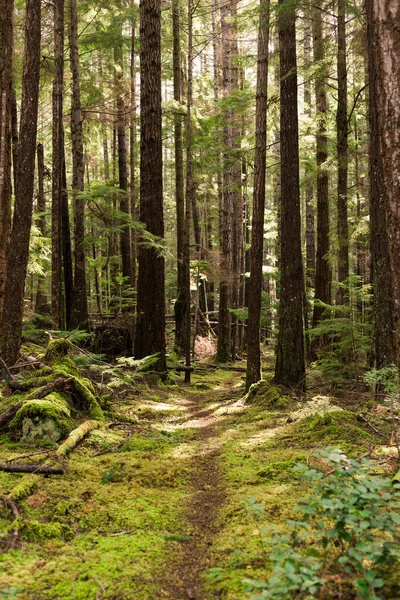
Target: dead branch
{"x":31,"y":468}
{"x":7,"y":415}
{"x":9,"y":503}
{"x":76,"y":436}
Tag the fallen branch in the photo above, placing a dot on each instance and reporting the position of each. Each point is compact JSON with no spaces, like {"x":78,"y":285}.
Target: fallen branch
{"x":7,"y":415}
{"x":15,"y":511}
{"x":180,"y":368}
{"x":31,"y":468}
{"x":377,"y":431}
{"x":76,"y":436}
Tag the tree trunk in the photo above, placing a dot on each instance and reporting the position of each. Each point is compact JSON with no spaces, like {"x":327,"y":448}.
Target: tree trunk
{"x":56,"y":239}
{"x":181,"y":300}
{"x":6,"y":50}
{"x":384,"y":53}
{"x":342,"y":155}
{"x":310,"y":229}
{"x":79,"y":309}
{"x":18,"y":254}
{"x":253,"y":373}
{"x":42,"y":305}
{"x":150,"y":325}
{"x":322,"y":269}
{"x":290,"y":367}
{"x":67,"y":273}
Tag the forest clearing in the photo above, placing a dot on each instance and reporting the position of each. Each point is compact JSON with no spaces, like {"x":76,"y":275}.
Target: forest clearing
{"x":173,"y":496}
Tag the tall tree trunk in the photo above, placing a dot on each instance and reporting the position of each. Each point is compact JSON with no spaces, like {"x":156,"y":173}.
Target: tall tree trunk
{"x":384,"y":161}
{"x":79,"y":309}
{"x":66,"y":246}
{"x":181,"y":300}
{"x":18,"y":254}
{"x":125,"y":243}
{"x":6,"y":50}
{"x":342,"y":155}
{"x":41,"y":305}
{"x":132,"y":157}
{"x":150,"y":325}
{"x":322,"y":269}
{"x":290,"y":367}
{"x":253,"y":372}
{"x":56,"y":235}
{"x":310,"y":229}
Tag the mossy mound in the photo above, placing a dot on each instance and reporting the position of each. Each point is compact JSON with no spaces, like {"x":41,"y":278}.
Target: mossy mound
{"x":339,"y":427}
{"x":266,"y":396}
{"x":48,"y":418}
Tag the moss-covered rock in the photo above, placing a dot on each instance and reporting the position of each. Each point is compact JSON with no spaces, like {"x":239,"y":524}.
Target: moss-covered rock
{"x":48,"y":418}
{"x":266,"y":396}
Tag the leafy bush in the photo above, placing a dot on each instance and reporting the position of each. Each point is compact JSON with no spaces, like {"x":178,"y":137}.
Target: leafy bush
{"x":345,"y":537}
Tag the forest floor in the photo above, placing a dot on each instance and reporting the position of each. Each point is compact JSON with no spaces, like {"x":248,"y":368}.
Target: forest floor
{"x":164,"y":506}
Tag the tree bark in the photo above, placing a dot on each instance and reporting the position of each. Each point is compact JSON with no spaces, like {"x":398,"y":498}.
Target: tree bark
{"x":386,"y":42}
{"x":322,"y":269}
{"x":79,"y":309}
{"x":384,"y":318}
{"x":18,"y":254}
{"x":6,"y":50}
{"x":56,"y":211}
{"x":181,"y":300}
{"x":342,"y":155}
{"x":253,"y":373}
{"x":150,"y":325}
{"x":290,"y":366}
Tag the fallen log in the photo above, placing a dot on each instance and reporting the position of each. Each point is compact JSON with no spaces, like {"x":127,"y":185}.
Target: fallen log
{"x":180,"y":368}
{"x":15,"y":511}
{"x":60,"y":384}
{"x":76,"y":436}
{"x":7,"y":415}
{"x":31,"y":468}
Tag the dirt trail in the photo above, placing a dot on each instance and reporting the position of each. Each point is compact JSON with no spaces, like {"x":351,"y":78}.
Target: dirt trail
{"x":186,"y":569}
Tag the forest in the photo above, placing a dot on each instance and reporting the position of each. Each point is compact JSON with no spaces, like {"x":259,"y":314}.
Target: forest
{"x":199,"y":299}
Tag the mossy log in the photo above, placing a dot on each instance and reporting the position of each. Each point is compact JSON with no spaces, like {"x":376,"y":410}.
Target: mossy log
{"x":31,"y":468}
{"x":76,"y":436}
{"x":8,"y":414}
{"x":55,"y":394}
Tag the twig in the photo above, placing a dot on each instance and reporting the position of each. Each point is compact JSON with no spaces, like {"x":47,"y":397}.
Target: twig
{"x":11,"y":460}
{"x":91,"y":356}
{"x":15,"y":511}
{"x":377,"y":431}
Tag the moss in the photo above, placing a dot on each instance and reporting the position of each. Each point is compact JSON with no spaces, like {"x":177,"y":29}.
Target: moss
{"x":267,"y":397}
{"x":33,"y":531}
{"x":281,"y":470}
{"x":47,"y":418}
{"x":24,"y":488}
{"x":56,"y":349}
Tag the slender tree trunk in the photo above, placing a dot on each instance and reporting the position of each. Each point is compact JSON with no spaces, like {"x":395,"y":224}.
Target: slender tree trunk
{"x":384,"y":161}
{"x":6,"y":50}
{"x":132,"y":158}
{"x":310,"y":229}
{"x":125,"y":243}
{"x":79,"y":309}
{"x":41,"y":305}
{"x":56,"y":234}
{"x":342,"y":154}
{"x":253,"y":373}
{"x":66,"y":245}
{"x":290,"y":367}
{"x":181,"y":300}
{"x":150,"y":325}
{"x":17,"y":260}
{"x":322,"y":270}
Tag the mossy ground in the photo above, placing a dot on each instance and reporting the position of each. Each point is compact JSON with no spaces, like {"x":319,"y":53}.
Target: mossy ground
{"x":114,"y":524}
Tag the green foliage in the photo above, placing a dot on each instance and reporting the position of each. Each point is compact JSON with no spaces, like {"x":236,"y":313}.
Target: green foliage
{"x":346,"y":536}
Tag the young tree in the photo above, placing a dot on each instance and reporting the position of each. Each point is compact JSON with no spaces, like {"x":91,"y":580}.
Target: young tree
{"x":290,"y":366}
{"x":18,"y":253}
{"x":79,"y":309}
{"x":386,"y":43}
{"x":253,"y":372}
{"x":150,"y":325}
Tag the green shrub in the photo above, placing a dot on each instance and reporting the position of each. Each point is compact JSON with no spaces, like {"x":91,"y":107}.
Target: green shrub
{"x":345,"y":539}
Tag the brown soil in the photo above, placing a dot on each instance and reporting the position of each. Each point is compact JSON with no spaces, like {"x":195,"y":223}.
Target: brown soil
{"x":186,"y":568}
